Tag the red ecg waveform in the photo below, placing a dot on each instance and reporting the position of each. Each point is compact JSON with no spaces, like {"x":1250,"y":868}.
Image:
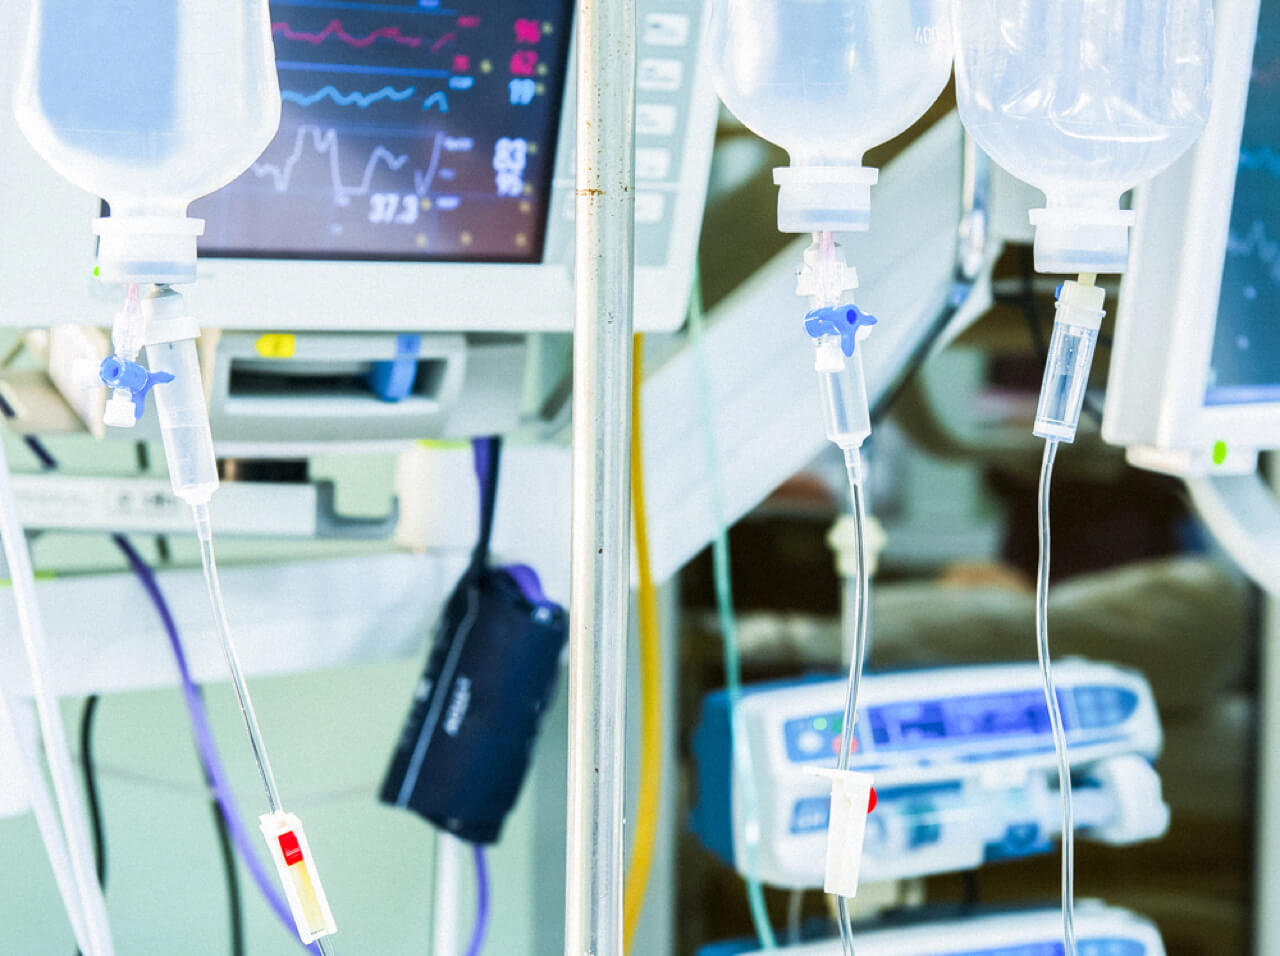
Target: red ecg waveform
{"x":335,"y":28}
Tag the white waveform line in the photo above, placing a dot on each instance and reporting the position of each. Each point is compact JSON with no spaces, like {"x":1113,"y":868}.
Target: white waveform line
{"x":326,"y":142}
{"x":1257,"y":243}
{"x":422,"y":181}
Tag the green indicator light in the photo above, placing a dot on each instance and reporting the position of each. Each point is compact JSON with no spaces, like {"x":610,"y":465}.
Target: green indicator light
{"x":820,"y":724}
{"x":1219,"y":452}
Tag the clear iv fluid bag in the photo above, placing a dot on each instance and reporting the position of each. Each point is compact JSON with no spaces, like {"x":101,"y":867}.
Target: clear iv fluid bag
{"x":149,"y":103}
{"x":1083,"y":99}
{"x":829,"y":79}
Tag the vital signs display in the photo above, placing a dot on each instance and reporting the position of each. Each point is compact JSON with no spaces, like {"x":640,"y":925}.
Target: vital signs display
{"x":419,"y":130}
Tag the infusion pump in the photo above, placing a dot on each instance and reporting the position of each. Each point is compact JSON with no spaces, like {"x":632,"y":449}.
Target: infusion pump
{"x":962,"y":760}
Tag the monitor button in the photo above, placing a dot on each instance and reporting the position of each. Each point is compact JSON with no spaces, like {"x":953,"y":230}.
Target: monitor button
{"x":655,"y":119}
{"x":653,"y":162}
{"x":659,"y":76}
{"x":810,"y":743}
{"x":650,"y":207}
{"x":666,"y":29}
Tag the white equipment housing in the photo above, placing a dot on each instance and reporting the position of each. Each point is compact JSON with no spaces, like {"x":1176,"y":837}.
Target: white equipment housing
{"x":1100,"y":931}
{"x":963,"y":765}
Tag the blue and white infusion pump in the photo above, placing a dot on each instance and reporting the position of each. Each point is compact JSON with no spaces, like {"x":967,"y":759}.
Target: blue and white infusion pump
{"x":1101,"y":931}
{"x":963,"y":764}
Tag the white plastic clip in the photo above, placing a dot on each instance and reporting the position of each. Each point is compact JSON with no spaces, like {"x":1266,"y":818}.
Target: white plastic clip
{"x":850,"y":803}
{"x":289,"y":849}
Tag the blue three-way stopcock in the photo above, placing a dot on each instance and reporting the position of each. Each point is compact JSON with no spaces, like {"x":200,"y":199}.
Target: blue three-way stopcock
{"x":117,"y":372}
{"x":841,"y":320}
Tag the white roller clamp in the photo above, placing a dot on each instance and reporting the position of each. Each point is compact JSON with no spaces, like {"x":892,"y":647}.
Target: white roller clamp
{"x":847,"y":829}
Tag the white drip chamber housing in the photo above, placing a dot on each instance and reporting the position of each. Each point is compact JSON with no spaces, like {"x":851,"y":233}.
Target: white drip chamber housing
{"x":827,"y":80}
{"x":149,"y":104}
{"x":1083,"y":99}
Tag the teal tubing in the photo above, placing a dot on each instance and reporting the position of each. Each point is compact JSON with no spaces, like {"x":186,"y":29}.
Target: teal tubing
{"x":729,"y":627}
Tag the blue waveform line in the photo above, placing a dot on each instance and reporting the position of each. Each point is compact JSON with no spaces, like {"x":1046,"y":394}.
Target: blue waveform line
{"x":351,"y":68}
{"x":1264,"y":158}
{"x":325,"y":142}
{"x":1257,"y":243}
{"x":354,"y":98}
{"x":438,"y":100}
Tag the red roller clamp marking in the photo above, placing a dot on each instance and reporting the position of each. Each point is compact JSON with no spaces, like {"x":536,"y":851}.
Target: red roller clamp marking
{"x":290,"y":847}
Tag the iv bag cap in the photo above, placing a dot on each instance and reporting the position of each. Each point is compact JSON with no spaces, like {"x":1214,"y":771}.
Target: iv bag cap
{"x":1082,"y":240}
{"x":824,"y":198}
{"x":150,"y":249}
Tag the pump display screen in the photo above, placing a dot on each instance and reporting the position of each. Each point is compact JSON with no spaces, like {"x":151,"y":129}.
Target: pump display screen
{"x":1245,"y":365}
{"x":410,"y":130}
{"x":997,"y":715}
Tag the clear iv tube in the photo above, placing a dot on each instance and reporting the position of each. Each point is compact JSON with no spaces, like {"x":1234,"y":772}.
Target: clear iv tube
{"x":46,"y":816}
{"x":205,"y":534}
{"x":65,"y":785}
{"x":853,"y":467}
{"x":1055,"y":711}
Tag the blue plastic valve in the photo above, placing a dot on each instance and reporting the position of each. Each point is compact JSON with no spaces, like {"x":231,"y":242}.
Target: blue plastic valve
{"x":841,"y":320}
{"x":117,"y":372}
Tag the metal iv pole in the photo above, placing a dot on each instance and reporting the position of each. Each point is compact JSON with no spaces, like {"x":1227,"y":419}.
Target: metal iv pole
{"x":604,"y":274}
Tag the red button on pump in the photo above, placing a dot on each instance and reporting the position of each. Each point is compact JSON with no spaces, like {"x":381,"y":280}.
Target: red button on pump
{"x":871,"y":804}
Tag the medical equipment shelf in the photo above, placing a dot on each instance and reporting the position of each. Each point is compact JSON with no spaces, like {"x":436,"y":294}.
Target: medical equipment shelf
{"x":335,"y":612}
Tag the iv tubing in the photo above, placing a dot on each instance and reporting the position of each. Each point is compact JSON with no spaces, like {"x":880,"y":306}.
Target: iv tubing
{"x":647,"y":803}
{"x":853,"y":467}
{"x":205,"y":534}
{"x":46,"y":820}
{"x":42,"y":806}
{"x":207,"y":746}
{"x":201,"y":731}
{"x":1055,"y":711}
{"x":741,"y":754}
{"x":97,"y":932}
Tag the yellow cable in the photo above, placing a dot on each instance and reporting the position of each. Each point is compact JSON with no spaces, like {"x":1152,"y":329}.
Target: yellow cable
{"x":637,"y":881}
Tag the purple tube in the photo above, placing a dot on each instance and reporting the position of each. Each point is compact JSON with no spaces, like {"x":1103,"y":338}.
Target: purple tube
{"x":482,"y":902}
{"x":208,"y":748}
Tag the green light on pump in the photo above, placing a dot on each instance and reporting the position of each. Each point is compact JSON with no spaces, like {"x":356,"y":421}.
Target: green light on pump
{"x":96,"y":272}
{"x":1219,"y":452}
{"x":820,"y":723}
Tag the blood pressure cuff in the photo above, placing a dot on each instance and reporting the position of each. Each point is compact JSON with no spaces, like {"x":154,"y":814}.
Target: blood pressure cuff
{"x":466,"y":746}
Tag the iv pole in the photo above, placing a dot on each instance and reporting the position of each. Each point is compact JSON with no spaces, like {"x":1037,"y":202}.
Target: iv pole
{"x":600,"y":566}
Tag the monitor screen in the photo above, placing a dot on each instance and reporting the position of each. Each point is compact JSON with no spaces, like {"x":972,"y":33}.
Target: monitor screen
{"x":421,"y":130}
{"x":1245,"y":363}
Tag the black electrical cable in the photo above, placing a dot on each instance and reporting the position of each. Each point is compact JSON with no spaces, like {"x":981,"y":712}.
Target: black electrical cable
{"x":91,"y":788}
{"x":234,"y":909}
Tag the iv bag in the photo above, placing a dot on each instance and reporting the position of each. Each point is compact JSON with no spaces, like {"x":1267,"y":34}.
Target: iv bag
{"x":149,"y":103}
{"x":1083,"y":99}
{"x":827,"y":80}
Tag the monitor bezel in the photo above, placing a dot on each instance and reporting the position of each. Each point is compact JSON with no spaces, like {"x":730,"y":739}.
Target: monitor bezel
{"x":1169,"y":300}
